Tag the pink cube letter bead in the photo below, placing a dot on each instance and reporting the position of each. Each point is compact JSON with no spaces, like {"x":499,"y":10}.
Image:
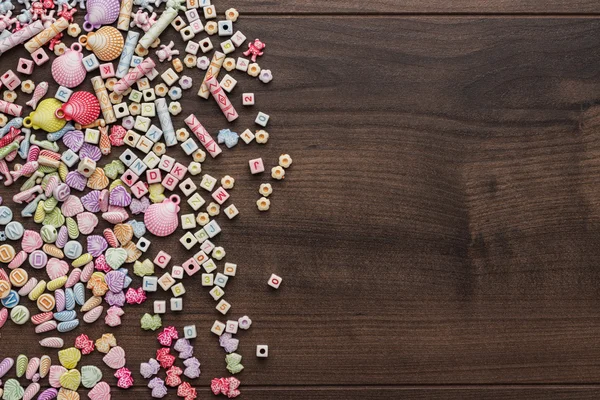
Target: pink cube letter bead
{"x":25,"y":66}
{"x":256,"y":166}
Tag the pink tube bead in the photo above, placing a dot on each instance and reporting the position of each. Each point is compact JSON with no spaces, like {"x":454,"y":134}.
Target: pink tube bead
{"x":203,"y":136}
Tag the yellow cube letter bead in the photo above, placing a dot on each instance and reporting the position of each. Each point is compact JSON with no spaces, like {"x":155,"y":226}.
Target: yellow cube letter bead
{"x":277,"y":173}
{"x":285,"y":160}
{"x":265,"y":189}
{"x":263,"y":204}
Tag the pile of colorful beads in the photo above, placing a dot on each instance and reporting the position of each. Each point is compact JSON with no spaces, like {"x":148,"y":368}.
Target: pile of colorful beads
{"x":95,"y":218}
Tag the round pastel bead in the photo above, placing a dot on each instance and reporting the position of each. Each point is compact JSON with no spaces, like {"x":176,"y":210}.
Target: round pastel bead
{"x":12,"y":300}
{"x":48,"y":233}
{"x":19,"y":315}
{"x":73,"y":249}
{"x":38,"y":259}
{"x":14,"y":230}
{"x":6,"y":215}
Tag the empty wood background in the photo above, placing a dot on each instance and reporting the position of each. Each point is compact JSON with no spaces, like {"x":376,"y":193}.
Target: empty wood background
{"x":438,"y":230}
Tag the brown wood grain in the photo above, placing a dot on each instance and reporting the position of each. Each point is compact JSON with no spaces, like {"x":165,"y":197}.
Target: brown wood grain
{"x":438,"y":225}
{"x":416,"y":7}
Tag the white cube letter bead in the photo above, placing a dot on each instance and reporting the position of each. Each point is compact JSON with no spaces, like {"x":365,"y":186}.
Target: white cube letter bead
{"x":192,"y":47}
{"x":177,"y":272}
{"x":209,"y":266}
{"x":208,"y":280}
{"x":160,"y":306}
{"x":178,"y":290}
{"x":207,"y":247}
{"x":166,"y":281}
{"x":196,"y":201}
{"x":212,"y":228}
{"x":166,"y":163}
{"x":228,"y":83}
{"x":227,"y":47}
{"x":231,"y":211}
{"x":90,"y":63}
{"x":238,"y":39}
{"x":151,"y":160}
{"x":154,"y":133}
{"x":176,"y":304}
{"x":230,"y":269}
{"x":248,"y":99}
{"x":86,"y":167}
{"x":220,"y":195}
{"x":148,"y":110}
{"x":189,"y":146}
{"x":69,"y":157}
{"x":201,"y":236}
{"x":170,"y":76}
{"x":188,"y":187}
{"x":150,"y":283}
{"x":142,"y":123}
{"x":210,"y":12}
{"x":152,"y":74}
{"x":143,"y":244}
{"x":256,"y":166}
{"x":131,"y":138}
{"x":247,"y":136}
{"x":63,"y":94}
{"x":121,"y":110}
{"x":242,"y":64}
{"x":208,"y":182}
{"x":275,"y":281}
{"x":192,"y":15}
{"x":217,"y":293}
{"x":188,"y":221}
{"x":221,"y":280}
{"x":188,"y":240}
{"x":262,"y":351}
{"x":187,"y":33}
{"x":225,"y":28}
{"x":223,"y":307}
{"x":232,"y":327}
{"x":262,"y":119}
{"x":128,"y":157}
{"x":205,"y":45}
{"x":196,"y":26}
{"x":92,"y":136}
{"x":189,"y":332}
{"x":218,"y":328}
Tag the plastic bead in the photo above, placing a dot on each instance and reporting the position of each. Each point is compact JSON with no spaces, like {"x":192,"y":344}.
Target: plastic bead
{"x":254,"y":69}
{"x":190,"y":60}
{"x":277,"y":173}
{"x":186,"y":82}
{"x":232,"y":14}
{"x":262,"y":137}
{"x":265,"y":189}
{"x":227,"y":182}
{"x":263,"y":204}
{"x":174,"y":108}
{"x":175,"y":93}
{"x":74,"y":30}
{"x":9,"y":96}
{"x":27,"y":86}
{"x":285,"y":160}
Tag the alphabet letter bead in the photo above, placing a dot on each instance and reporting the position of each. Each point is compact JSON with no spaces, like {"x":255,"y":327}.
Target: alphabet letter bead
{"x":248,"y":99}
{"x":160,"y":306}
{"x":218,"y":328}
{"x":256,"y":166}
{"x":275,"y":281}
{"x":176,"y":304}
{"x":162,"y":259}
{"x":262,"y":119}
{"x":189,"y":331}
{"x":262,"y":351}
{"x":178,"y":290}
{"x":223,"y":307}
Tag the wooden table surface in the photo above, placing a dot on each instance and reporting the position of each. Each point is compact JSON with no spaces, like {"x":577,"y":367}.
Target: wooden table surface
{"x":437,"y":232}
